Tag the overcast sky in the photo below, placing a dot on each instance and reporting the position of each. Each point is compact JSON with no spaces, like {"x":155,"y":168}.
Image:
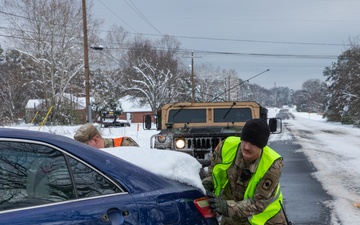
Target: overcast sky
{"x":295,"y":40}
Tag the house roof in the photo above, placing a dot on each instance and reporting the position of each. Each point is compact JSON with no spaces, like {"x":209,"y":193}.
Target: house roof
{"x":126,"y":104}
{"x":80,"y":102}
{"x":33,"y":103}
{"x":133,"y":106}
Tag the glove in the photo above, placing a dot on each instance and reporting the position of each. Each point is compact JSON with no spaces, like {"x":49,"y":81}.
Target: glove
{"x":219,"y":205}
{"x":209,"y":187}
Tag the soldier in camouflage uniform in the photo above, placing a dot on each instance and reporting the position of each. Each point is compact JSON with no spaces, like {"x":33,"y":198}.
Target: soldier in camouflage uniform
{"x":242,"y":189}
{"x":89,"y":135}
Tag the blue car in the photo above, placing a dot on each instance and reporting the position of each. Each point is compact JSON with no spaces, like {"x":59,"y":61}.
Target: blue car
{"x":52,"y":179}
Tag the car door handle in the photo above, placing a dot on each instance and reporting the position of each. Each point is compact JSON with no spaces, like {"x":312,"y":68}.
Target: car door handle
{"x":116,"y":217}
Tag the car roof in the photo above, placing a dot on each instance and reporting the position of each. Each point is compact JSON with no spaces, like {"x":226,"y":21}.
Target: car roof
{"x":133,"y":178}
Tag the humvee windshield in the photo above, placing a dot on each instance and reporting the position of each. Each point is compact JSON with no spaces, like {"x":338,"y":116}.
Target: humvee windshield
{"x":221,"y":115}
{"x":187,"y":116}
{"x":232,"y":115}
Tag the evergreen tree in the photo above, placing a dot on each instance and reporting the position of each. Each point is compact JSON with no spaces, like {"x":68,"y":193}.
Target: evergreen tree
{"x":344,"y":85}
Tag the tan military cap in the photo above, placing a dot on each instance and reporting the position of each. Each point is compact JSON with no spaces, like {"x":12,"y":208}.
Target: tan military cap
{"x":86,"y":132}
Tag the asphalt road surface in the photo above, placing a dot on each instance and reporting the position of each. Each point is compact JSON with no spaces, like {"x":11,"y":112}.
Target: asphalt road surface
{"x":304,"y":196}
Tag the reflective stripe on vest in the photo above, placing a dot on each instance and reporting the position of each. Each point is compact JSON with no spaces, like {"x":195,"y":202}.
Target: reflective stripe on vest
{"x":117,"y":141}
{"x":220,"y":179}
{"x":228,"y":153}
{"x":267,"y":159}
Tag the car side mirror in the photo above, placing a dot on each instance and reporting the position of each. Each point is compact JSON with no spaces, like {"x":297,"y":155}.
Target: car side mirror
{"x":275,"y":125}
{"x":148,"y":122}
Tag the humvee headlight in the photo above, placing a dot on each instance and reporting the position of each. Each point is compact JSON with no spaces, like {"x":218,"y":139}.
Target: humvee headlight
{"x":180,"y":143}
{"x":161,"y":139}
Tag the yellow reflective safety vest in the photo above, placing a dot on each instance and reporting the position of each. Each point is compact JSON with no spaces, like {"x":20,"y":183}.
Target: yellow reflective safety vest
{"x":220,"y":179}
{"x":228,"y":153}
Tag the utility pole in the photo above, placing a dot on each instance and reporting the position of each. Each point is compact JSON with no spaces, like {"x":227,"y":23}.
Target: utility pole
{"x":275,"y":94}
{"x":86,"y":65}
{"x":229,"y":89}
{"x":192,"y":78}
{"x":240,"y":83}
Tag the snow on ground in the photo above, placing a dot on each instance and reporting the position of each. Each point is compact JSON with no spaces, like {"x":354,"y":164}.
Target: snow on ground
{"x":333,"y":148}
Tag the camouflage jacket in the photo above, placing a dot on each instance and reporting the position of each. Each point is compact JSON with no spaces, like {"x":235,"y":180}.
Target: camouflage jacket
{"x":240,"y":209}
{"x":126,"y":141}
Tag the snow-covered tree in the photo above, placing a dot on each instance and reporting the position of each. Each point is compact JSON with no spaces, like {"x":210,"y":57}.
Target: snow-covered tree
{"x":344,"y":85}
{"x":153,"y":86}
{"x":152,"y":73}
{"x":50,"y":32}
{"x":312,"y":97}
{"x":107,"y":77}
{"x":214,"y":84}
{"x":13,"y":86}
{"x":107,"y":105}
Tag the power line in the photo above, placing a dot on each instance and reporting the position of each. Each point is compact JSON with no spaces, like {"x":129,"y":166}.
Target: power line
{"x":267,"y":55}
{"x":237,"y":85}
{"x":195,"y":37}
{"x":23,"y":17}
{"x":116,"y":16}
{"x":182,"y":51}
{"x":205,"y":38}
{"x":34,"y":32}
{"x":137,"y":11}
{"x":244,"y":40}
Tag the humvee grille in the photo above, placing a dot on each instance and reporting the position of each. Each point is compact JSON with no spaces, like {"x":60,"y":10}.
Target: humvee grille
{"x":201,"y":143}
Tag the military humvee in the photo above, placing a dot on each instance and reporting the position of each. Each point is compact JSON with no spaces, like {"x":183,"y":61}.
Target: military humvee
{"x":197,"y":128}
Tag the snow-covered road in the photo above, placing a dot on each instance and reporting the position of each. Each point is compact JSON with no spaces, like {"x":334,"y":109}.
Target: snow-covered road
{"x":334,"y":150}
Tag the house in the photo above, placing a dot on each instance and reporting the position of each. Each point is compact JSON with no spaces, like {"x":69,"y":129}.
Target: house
{"x":133,"y":108}
{"x":31,"y":109}
{"x":35,"y":109}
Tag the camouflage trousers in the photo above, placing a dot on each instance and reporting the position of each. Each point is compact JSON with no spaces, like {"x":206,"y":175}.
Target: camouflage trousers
{"x":278,"y":219}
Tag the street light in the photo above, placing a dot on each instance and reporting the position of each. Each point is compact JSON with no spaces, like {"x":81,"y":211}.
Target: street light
{"x":100,"y":47}
{"x":89,"y":109}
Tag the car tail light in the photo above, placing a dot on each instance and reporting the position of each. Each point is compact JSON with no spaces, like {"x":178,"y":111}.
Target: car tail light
{"x":202,"y":204}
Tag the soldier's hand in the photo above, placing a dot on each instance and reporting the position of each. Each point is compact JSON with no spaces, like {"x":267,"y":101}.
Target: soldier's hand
{"x":128,"y":141}
{"x":210,"y":194}
{"x":219,"y":205}
{"x":209,"y":187}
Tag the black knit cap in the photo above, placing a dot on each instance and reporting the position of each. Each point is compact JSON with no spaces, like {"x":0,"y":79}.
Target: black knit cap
{"x":257,"y":132}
